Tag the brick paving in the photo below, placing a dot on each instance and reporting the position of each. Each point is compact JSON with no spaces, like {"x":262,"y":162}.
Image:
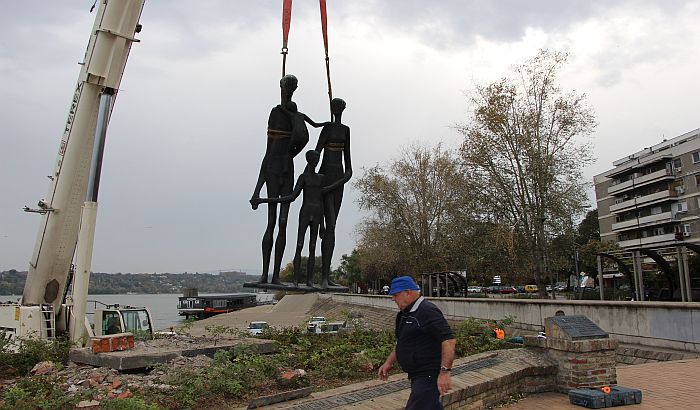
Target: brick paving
{"x":664,"y":385}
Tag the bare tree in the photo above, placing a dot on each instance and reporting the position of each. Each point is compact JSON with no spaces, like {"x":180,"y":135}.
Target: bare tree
{"x":524,"y":154}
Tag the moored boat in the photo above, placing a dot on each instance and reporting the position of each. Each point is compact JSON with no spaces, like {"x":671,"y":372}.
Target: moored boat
{"x":209,"y":305}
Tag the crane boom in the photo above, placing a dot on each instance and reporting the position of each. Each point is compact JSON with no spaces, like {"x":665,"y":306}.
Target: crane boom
{"x":113,"y":33}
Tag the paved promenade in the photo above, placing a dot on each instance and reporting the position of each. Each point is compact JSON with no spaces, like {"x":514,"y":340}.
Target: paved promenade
{"x":664,"y":385}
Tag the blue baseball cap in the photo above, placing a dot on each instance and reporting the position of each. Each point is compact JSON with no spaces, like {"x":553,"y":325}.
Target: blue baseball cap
{"x":402,"y":283}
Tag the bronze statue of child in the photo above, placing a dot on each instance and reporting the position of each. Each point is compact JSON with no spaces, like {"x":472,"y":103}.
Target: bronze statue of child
{"x":310,"y":215}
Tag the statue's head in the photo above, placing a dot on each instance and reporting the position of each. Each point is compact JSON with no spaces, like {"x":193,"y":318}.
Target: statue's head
{"x":337,"y":105}
{"x":312,"y":157}
{"x":288,"y":84}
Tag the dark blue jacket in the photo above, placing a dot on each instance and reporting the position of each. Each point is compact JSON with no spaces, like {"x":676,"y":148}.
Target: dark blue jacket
{"x":420,"y":330}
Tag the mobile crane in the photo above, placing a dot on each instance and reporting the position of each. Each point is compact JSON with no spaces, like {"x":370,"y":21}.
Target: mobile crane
{"x":69,"y":212}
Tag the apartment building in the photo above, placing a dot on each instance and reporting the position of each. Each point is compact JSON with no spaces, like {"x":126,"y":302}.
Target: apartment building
{"x":651,"y":199}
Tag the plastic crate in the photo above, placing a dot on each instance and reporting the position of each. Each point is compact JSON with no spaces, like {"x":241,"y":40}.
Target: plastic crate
{"x":597,"y":399}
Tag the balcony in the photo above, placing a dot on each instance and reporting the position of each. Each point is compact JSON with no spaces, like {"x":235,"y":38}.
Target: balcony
{"x":643,"y":221}
{"x":644,"y":200}
{"x":640,"y":181}
{"x":669,"y":237}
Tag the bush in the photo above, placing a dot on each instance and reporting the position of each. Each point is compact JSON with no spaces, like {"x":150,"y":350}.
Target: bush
{"x":37,"y":393}
{"x":476,"y":336}
{"x":32,"y":351}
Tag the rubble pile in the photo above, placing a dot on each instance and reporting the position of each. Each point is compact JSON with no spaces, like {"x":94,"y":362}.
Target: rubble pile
{"x":107,"y":383}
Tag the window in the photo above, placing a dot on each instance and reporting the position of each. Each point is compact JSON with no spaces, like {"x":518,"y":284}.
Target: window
{"x":681,"y":207}
{"x":697,"y":179}
{"x":658,"y":231}
{"x":656,"y":210}
{"x":696,"y":157}
{"x":677,"y":163}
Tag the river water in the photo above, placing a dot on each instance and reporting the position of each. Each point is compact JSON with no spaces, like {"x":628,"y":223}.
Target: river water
{"x":163,"y":307}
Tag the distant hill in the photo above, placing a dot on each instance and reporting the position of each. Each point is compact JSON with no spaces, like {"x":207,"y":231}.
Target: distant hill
{"x":12,"y":282}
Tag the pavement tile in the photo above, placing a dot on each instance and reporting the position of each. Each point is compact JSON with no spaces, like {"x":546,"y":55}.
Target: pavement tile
{"x":664,"y":385}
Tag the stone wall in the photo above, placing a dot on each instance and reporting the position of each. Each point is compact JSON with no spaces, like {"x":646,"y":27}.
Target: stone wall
{"x":517,"y":371}
{"x":672,"y":325}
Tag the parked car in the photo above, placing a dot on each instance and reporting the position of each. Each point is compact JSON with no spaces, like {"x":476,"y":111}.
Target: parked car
{"x":314,"y":322}
{"x":520,"y":289}
{"x":502,"y":289}
{"x":560,"y":288}
{"x":330,"y":327}
{"x":256,"y":328}
{"x":531,"y":289}
{"x":548,"y":288}
{"x":475,"y":289}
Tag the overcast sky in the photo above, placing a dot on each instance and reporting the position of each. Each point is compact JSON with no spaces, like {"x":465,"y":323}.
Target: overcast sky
{"x":188,"y":129}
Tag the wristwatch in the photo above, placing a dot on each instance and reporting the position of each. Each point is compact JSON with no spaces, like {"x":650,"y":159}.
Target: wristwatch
{"x":444,"y":369}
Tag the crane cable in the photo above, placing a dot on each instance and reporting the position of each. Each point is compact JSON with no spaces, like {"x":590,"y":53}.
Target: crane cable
{"x":286,"y":23}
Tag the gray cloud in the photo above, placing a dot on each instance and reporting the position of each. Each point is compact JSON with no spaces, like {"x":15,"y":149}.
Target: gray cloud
{"x":187,"y":132}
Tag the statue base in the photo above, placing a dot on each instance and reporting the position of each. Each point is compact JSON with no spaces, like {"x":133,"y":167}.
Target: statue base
{"x":296,"y":288}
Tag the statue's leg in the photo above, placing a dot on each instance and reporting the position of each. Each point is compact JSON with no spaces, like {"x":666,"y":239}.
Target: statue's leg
{"x":267,"y":240}
{"x":301,"y":231}
{"x":337,"y":202}
{"x":312,"y":252}
{"x":328,"y":242}
{"x":280,"y":243}
{"x":297,"y":268}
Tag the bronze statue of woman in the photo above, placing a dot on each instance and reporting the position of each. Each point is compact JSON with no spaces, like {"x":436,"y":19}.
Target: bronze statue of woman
{"x":334,"y":142}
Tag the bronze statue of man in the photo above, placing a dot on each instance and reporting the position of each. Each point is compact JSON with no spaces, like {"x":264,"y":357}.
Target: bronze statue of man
{"x":334,"y":141}
{"x":286,"y":137}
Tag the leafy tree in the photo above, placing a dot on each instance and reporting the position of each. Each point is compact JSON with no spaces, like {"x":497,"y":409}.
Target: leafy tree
{"x":349,"y":270}
{"x":589,"y":228}
{"x":416,"y":207}
{"x":522,"y":151}
{"x":287,"y":273}
{"x":588,"y":254}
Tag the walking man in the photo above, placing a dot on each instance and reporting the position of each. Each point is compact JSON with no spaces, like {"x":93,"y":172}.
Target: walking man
{"x":425,"y":346}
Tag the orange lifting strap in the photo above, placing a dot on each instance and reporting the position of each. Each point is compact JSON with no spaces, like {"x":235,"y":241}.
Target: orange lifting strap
{"x":286,"y":23}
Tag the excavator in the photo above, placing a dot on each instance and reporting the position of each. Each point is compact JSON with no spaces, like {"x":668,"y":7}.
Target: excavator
{"x":63,"y":250}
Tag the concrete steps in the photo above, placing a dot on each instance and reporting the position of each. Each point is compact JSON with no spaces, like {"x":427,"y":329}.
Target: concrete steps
{"x":638,"y":354}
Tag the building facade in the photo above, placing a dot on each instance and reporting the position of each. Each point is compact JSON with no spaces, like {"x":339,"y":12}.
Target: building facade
{"x":651,"y":199}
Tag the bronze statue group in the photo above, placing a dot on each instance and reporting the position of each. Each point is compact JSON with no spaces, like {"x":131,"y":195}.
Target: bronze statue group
{"x":287,"y":136}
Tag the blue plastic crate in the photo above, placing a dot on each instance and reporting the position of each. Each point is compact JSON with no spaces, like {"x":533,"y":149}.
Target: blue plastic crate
{"x":597,"y":399}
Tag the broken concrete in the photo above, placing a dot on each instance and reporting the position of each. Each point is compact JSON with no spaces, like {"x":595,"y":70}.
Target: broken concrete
{"x":149,"y":353}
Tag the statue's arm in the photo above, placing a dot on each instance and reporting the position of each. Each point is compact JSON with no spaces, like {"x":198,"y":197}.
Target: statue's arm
{"x":314,"y":123}
{"x":261,"y":174}
{"x":287,"y":198}
{"x":346,"y":154}
{"x":322,"y":138}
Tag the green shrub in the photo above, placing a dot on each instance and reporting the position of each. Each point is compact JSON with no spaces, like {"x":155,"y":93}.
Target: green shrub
{"x":476,"y":336}
{"x":32,"y":351}
{"x":43,"y":392}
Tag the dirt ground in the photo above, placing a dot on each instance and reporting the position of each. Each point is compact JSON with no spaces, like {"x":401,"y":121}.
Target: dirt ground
{"x":292,"y":310}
